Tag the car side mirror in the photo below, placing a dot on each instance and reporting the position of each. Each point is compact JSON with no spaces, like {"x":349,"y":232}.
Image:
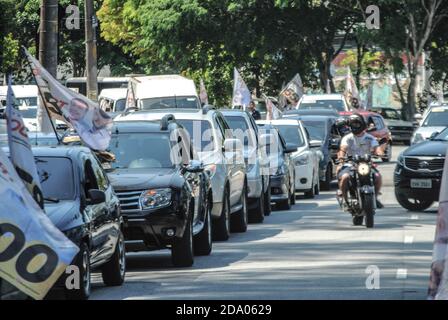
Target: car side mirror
{"x":290,"y":148}
{"x":433,"y":135}
{"x":315,"y":144}
{"x":96,"y":197}
{"x":195,"y":166}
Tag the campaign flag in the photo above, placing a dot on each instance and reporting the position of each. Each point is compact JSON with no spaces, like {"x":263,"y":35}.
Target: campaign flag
{"x":20,"y":148}
{"x":34,"y":252}
{"x":294,"y":89}
{"x":272,"y":112}
{"x":92,"y":124}
{"x":241,"y":93}
{"x":203,"y":93}
{"x":438,"y":285}
{"x":351,"y":91}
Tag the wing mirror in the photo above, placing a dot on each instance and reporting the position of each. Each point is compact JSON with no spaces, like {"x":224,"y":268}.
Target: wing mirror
{"x":433,"y":135}
{"x":315,"y":144}
{"x":195,"y":166}
{"x":96,"y":197}
{"x":290,"y":148}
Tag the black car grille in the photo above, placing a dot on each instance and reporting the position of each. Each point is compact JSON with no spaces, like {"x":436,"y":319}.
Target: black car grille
{"x":129,"y":201}
{"x":401,"y":129}
{"x":424,"y":164}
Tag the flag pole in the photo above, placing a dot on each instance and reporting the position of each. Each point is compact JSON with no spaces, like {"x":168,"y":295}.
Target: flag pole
{"x":42,"y":96}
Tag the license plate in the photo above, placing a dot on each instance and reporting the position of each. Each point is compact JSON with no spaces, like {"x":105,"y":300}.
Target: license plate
{"x":421,"y":183}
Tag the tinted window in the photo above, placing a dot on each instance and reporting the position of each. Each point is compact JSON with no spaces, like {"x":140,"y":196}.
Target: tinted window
{"x":170,"y":102}
{"x":51,"y":170}
{"x":316,"y":129}
{"x":100,"y":177}
{"x":437,"y":118}
{"x":291,"y":134}
{"x":378,"y":123}
{"x":200,"y":133}
{"x":141,"y":150}
{"x":240,"y":129}
{"x":120,"y":105}
{"x":337,"y":105}
{"x":443,"y":135}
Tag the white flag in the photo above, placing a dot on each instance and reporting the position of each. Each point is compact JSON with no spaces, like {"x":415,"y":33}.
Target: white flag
{"x":20,"y":148}
{"x":294,"y":89}
{"x":272,"y":112}
{"x":438,"y":285}
{"x":203,"y":93}
{"x":241,"y":93}
{"x":92,"y":124}
{"x":36,"y":252}
{"x":351,"y":91}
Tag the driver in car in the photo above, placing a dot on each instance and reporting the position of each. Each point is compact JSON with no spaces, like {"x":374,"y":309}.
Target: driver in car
{"x":357,"y":143}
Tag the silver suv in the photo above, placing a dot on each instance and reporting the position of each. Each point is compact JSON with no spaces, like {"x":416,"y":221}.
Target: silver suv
{"x":257,"y":168}
{"x":222,"y":157}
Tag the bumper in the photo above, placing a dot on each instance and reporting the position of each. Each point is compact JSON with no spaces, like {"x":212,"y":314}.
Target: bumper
{"x":402,"y":183}
{"x":304,"y":177}
{"x":152,"y":228}
{"x":279,"y":188}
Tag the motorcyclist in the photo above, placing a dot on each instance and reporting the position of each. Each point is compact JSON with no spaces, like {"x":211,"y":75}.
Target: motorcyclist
{"x":360,"y":143}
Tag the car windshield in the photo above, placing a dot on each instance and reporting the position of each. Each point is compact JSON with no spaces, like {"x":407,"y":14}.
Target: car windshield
{"x":438,"y":117}
{"x":170,"y":102}
{"x":141,"y":150}
{"x":240,"y":129}
{"x":442,"y":135}
{"x":120,"y":105}
{"x":26,"y":101}
{"x":291,"y":134}
{"x":316,"y":129}
{"x":201,"y":134}
{"x":50,"y":170}
{"x":337,"y":105}
{"x":389,"y":114}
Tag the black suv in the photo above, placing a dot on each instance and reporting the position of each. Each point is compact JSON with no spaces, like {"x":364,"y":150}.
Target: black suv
{"x":81,"y":202}
{"x":164,"y":192}
{"x":418,"y":173}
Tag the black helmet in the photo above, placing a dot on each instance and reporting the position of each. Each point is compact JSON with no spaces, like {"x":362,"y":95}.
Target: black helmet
{"x":357,"y":123}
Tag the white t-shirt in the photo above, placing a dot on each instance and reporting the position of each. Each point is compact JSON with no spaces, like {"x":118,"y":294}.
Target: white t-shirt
{"x":359,"y":145}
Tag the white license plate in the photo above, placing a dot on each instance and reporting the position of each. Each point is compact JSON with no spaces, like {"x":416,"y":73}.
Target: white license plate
{"x":421,"y":183}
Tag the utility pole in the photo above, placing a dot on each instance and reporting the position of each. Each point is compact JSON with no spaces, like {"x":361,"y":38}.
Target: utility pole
{"x":91,"y":55}
{"x":48,"y":36}
{"x":48,"y":53}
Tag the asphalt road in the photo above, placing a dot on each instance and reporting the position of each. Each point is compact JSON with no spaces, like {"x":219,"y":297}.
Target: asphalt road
{"x":310,"y":252}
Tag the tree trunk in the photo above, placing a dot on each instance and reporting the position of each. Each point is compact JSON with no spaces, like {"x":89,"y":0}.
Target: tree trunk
{"x":410,"y":110}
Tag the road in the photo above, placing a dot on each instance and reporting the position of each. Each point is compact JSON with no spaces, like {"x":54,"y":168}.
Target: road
{"x":310,"y":252}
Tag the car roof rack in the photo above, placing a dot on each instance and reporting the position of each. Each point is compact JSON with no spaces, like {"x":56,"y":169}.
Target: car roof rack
{"x":206,"y":108}
{"x":165,"y":121}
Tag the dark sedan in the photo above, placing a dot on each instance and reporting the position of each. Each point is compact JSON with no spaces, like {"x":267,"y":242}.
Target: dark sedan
{"x":419,"y":171}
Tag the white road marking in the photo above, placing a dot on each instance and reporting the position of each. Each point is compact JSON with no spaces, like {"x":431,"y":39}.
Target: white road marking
{"x":414,"y":217}
{"x":408,"y":239}
{"x":402,"y":273}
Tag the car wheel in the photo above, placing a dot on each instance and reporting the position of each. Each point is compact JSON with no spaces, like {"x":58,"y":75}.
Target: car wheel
{"x":182,"y":253}
{"x":221,"y":227}
{"x":285,"y":204}
{"x":388,"y":153}
{"x":317,"y":187}
{"x":325,"y":185}
{"x":256,"y":215}
{"x":114,"y":270}
{"x":412,"y":204}
{"x":267,"y":201}
{"x":310,"y":193}
{"x":238,"y":220}
{"x":203,"y":240}
{"x":82,"y":261}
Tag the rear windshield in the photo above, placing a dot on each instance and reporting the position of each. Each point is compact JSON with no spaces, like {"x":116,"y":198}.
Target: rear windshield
{"x":337,"y":105}
{"x":50,"y":170}
{"x":170,"y":102}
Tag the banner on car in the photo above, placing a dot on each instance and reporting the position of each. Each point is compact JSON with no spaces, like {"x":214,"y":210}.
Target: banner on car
{"x":33,"y":252}
{"x":241,"y":94}
{"x":293,"y":90}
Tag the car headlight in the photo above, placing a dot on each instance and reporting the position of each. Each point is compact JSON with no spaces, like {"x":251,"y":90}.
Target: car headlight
{"x":363,"y":169}
{"x":302,"y":160}
{"x":155,"y":198}
{"x":400,"y":159}
{"x":210,"y":170}
{"x":417,"y":138}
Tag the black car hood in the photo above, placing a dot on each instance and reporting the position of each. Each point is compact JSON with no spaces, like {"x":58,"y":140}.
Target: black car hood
{"x":132,"y":179}
{"x":428,"y":148}
{"x":65,"y":215}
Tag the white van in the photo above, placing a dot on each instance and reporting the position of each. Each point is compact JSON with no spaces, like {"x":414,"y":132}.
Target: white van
{"x":26,"y":100}
{"x":162,"y":92}
{"x":113,"y":100}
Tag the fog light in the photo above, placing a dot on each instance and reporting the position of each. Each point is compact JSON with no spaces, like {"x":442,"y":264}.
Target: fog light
{"x":169,"y":232}
{"x":303,"y":180}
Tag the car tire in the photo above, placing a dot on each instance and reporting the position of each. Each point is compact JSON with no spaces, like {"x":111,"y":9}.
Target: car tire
{"x":203,"y":240}
{"x":182,"y":253}
{"x":317,"y":188}
{"x":417,"y":205}
{"x":285,"y":204}
{"x":267,"y":201}
{"x":325,"y":185}
{"x":388,"y":153}
{"x":239,"y":220}
{"x":256,"y":215}
{"x":221,"y":227}
{"x":82,"y":261}
{"x":114,"y":271}
{"x":310,"y":193}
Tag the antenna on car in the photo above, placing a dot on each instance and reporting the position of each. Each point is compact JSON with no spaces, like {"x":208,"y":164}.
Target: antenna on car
{"x":166,"y":121}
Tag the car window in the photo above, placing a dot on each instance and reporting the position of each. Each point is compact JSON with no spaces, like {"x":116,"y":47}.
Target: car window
{"x":317,"y":129}
{"x":141,"y":150}
{"x":90,"y":181}
{"x":337,"y":105}
{"x":378,"y":123}
{"x":100,"y":177}
{"x":50,"y":170}
{"x":224,"y":126}
{"x":437,"y":117}
{"x":241,"y":130}
{"x":120,"y":105}
{"x":170,"y":102}
{"x":291,"y":134}
{"x":201,"y":134}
